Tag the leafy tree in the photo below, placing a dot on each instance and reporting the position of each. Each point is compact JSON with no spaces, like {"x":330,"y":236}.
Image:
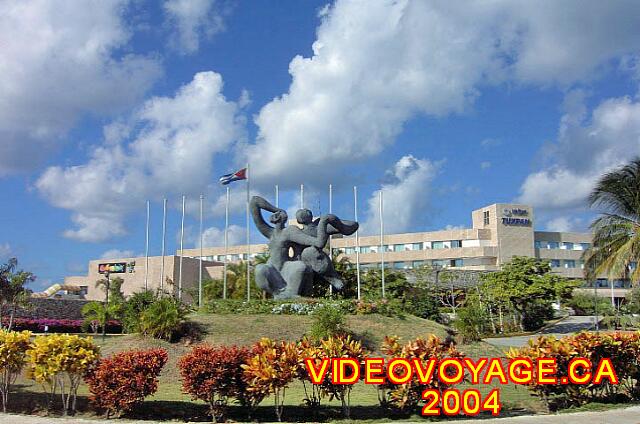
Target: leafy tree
{"x":524,"y":280}
{"x":13,"y":292}
{"x":133,"y":308}
{"x":328,"y":321}
{"x":96,"y":314}
{"x":616,"y":233}
{"x":13,"y":348}
{"x":471,"y":320}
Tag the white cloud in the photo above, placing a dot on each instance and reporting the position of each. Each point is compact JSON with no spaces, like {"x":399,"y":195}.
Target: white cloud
{"x":563,"y":224}
{"x":585,"y":149}
{"x":377,"y":64}
{"x":5,"y":251}
{"x":167,"y":148}
{"x":485,"y":165}
{"x":59,"y":61}
{"x":454,"y":227}
{"x":193,"y":20}
{"x":117,"y":254}
{"x":214,"y":236}
{"x":405,"y":198}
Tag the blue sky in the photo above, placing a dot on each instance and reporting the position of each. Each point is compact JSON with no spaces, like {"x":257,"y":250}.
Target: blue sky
{"x":446,"y":106}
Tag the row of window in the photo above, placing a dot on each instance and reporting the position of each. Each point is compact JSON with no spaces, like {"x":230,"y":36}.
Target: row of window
{"x":567,"y":263}
{"x":441,"y":263}
{"x":231,"y":257}
{"x":404,"y":247}
{"x":565,"y":245}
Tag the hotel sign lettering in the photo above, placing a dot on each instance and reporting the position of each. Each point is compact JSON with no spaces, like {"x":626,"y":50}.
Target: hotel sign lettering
{"x":516,"y":217}
{"x":112,"y":268}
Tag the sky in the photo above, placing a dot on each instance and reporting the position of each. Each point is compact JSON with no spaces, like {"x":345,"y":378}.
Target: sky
{"x":445,"y":106}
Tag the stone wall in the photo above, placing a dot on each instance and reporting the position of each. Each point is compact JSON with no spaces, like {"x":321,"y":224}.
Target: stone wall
{"x":52,"y":308}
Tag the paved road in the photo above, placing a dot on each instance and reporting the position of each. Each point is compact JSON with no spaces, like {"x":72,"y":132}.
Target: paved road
{"x":616,"y":416}
{"x":567,"y":326}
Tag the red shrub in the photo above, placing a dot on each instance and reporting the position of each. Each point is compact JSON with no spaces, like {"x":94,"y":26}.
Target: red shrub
{"x":122,"y":380}
{"x":214,"y":375}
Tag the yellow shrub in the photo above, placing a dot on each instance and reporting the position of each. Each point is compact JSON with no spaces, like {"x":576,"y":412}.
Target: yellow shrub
{"x":58,"y":359}
{"x":13,"y":348}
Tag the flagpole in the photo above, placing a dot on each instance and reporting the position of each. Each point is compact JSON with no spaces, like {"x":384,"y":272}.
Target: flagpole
{"x":355,"y":212}
{"x":301,"y":196}
{"x":226,"y":245}
{"x":146,"y":253}
{"x":200,"y":270}
{"x":382,"y":242}
{"x":164,"y":233}
{"x":248,"y":240}
{"x":277,"y":196}
{"x":330,"y":236}
{"x":181,"y":249}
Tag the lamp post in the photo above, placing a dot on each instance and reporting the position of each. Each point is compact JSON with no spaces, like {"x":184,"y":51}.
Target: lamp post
{"x":106,"y":307}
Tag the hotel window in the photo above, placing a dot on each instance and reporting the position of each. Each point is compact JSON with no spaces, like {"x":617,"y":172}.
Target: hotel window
{"x":581,"y":263}
{"x":567,"y":245}
{"x":83,"y":290}
{"x":398,"y":247}
{"x":554,"y":263}
{"x":539,"y":244}
{"x":585,"y":246}
{"x":416,"y":246}
{"x":486,"y":217}
{"x":602,"y":282}
{"x":456,"y":244}
{"x":439,"y":263}
{"x":417,"y":264}
{"x":365,"y":249}
{"x":399,"y":265}
{"x":350,"y":250}
{"x":455,"y":263}
{"x":437,"y":245}
{"x":570,"y":263}
{"x":553,"y":245}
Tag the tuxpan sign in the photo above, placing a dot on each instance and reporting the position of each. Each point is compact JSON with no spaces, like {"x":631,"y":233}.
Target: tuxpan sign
{"x":516,"y":217}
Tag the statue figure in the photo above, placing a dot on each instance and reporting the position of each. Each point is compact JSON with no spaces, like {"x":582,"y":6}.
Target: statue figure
{"x":285,"y":275}
{"x":317,"y":259}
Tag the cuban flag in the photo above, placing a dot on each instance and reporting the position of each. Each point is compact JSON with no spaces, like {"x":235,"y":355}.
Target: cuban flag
{"x":239,"y":175}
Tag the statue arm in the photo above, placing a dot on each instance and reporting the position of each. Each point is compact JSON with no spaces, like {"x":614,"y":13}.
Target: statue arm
{"x":320,"y":240}
{"x":256,"y":204}
{"x":339,"y":226}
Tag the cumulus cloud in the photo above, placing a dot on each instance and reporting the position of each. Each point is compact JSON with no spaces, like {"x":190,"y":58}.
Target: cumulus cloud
{"x":405,"y":197}
{"x":485,"y":165}
{"x":58,"y":62}
{"x":375,"y":65}
{"x":5,"y":251}
{"x":166,"y":148}
{"x":214,"y":236}
{"x":563,"y":224}
{"x":193,"y":20}
{"x":117,"y":254}
{"x":587,"y":147}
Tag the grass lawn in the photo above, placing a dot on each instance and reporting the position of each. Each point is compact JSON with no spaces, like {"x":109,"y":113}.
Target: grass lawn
{"x":171,"y":404}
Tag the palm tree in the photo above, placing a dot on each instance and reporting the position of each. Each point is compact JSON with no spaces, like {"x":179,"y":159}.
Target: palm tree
{"x":616,"y":233}
{"x":13,"y":292}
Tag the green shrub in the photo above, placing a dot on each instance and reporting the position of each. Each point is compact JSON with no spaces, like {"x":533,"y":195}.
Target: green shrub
{"x":133,"y":308}
{"x":328,"y":321}
{"x":584,"y":304}
{"x":163,"y":318}
{"x":536,"y":313}
{"x":471,"y":321}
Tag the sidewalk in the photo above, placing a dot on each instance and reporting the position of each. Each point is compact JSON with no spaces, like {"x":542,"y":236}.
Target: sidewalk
{"x":629,"y":415}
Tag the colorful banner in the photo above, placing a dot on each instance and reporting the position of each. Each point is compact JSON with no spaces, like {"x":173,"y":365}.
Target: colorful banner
{"x":112,"y":268}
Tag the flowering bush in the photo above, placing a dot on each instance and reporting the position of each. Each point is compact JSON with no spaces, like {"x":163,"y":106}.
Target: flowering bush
{"x":622,"y":349}
{"x":61,"y":360}
{"x":214,"y":375}
{"x":119,"y":382}
{"x":405,"y":397}
{"x":57,"y":325}
{"x":300,"y":308}
{"x":13,"y":347}
{"x":331,"y":347}
{"x":270,"y":370}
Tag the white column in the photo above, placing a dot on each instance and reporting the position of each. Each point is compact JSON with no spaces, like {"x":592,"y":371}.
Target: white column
{"x":355,"y":213}
{"x":200,"y":271}
{"x":382,"y":243}
{"x":146,"y":251}
{"x":181,"y":249}
{"x":226,"y":245}
{"x":164,"y":237}
{"x":248,"y":240}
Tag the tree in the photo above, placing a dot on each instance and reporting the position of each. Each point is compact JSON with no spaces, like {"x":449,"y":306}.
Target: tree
{"x":616,"y":233}
{"x":523,"y":281}
{"x":13,"y":292}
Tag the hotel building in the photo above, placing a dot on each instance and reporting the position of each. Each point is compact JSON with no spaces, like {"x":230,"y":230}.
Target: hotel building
{"x":498,"y":233}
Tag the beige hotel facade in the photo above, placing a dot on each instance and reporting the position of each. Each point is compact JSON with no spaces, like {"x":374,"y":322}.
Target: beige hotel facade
{"x":498,"y":232}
